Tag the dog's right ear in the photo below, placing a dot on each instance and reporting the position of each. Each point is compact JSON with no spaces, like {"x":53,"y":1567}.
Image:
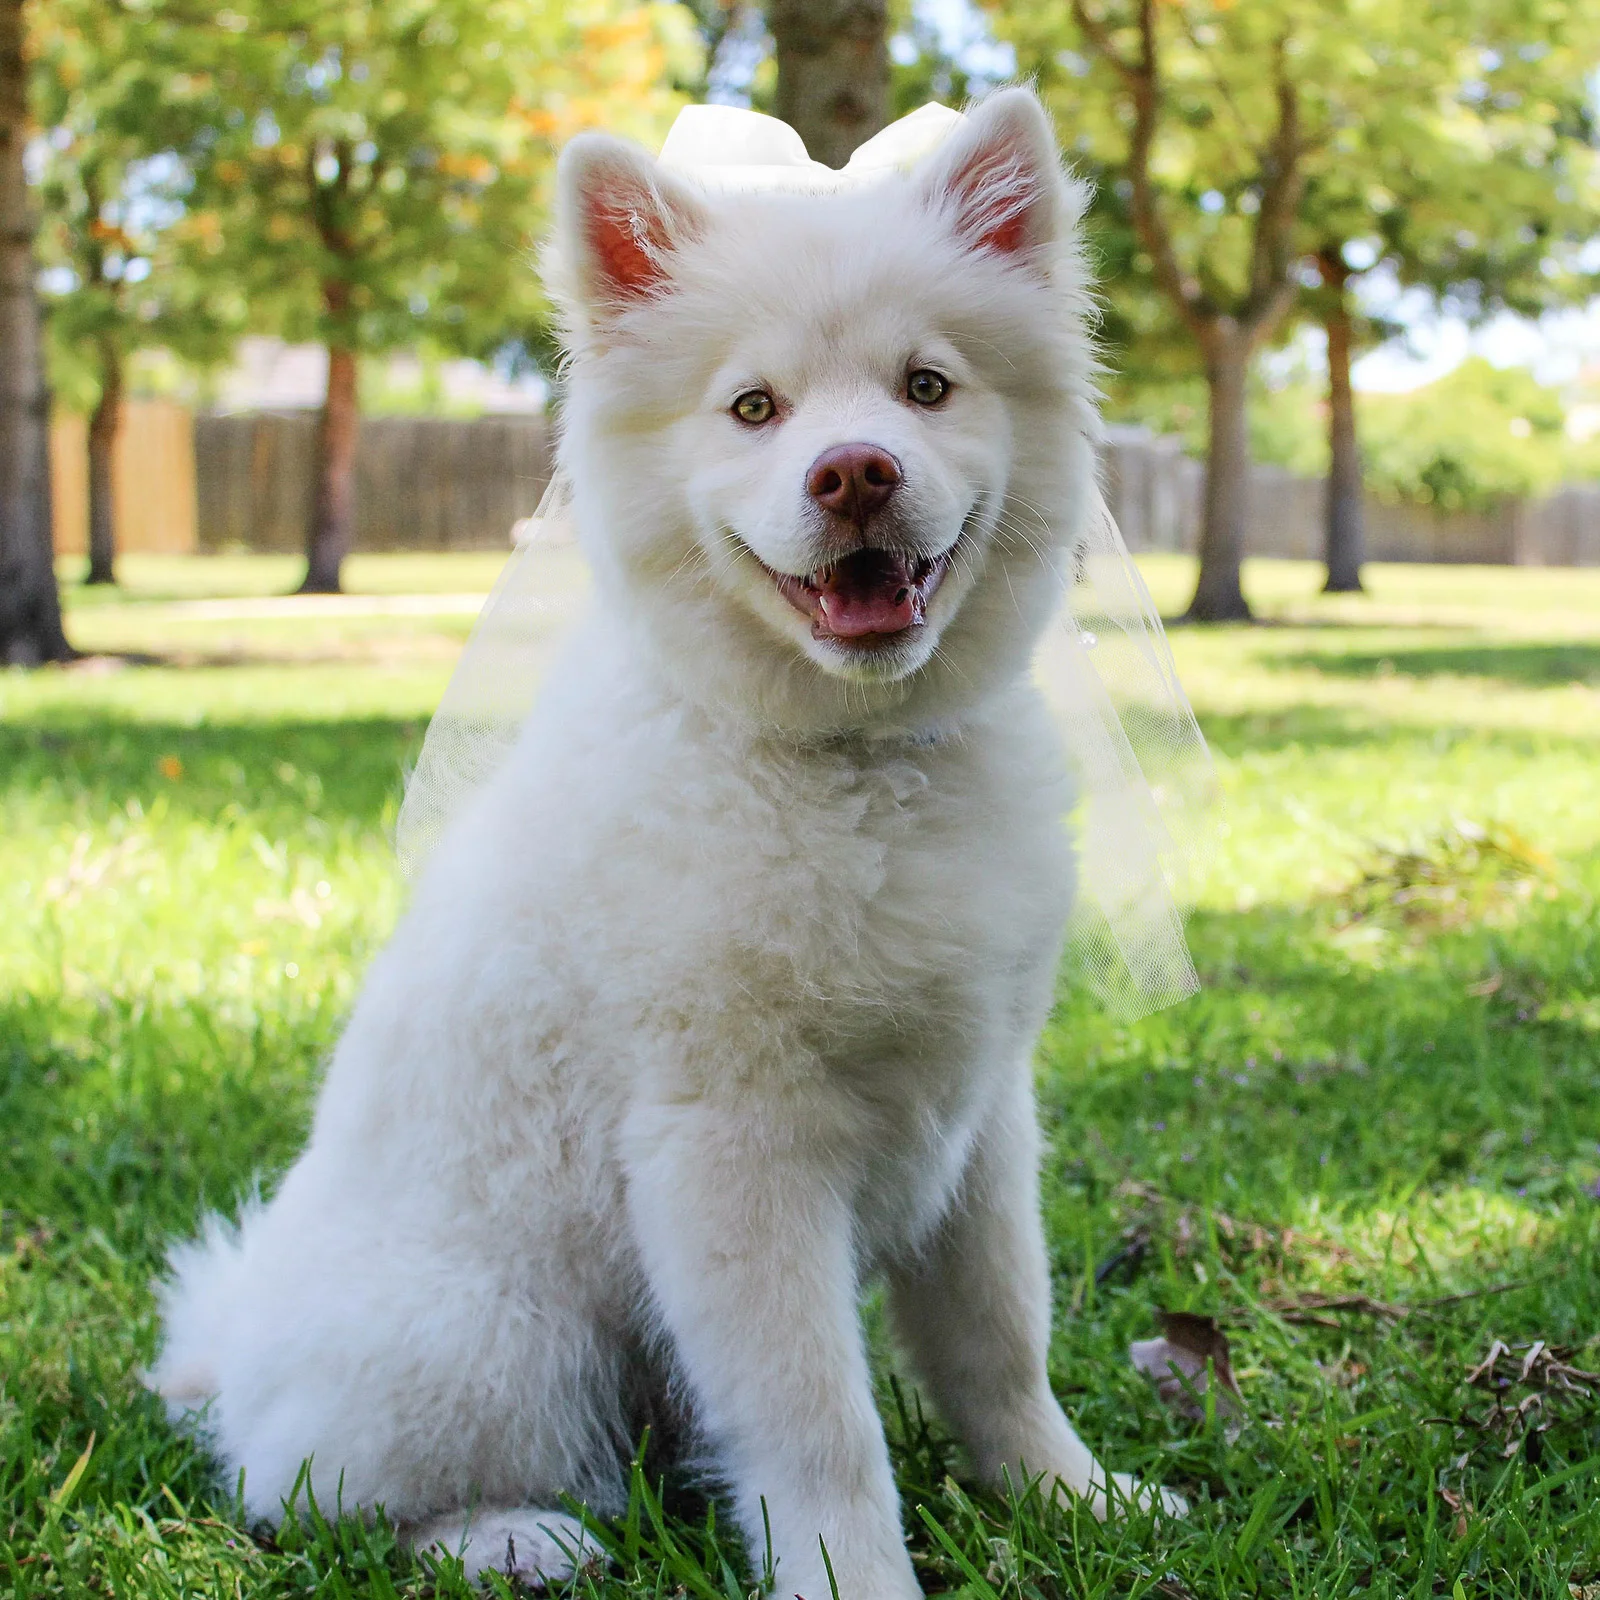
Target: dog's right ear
{"x":619,"y":220}
{"x":998,"y":179}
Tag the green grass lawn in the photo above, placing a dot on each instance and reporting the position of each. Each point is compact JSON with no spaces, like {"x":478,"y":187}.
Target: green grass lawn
{"x":1368,"y":1148}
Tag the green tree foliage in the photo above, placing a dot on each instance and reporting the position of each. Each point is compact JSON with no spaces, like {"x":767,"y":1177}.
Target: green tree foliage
{"x":923,"y":66}
{"x":1230,"y":127}
{"x":115,"y":280}
{"x":1472,"y":437}
{"x":1461,"y":443}
{"x":1477,"y":192}
{"x":371,"y":175}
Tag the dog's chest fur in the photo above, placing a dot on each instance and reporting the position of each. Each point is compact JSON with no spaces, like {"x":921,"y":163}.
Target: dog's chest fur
{"x":861,"y":934}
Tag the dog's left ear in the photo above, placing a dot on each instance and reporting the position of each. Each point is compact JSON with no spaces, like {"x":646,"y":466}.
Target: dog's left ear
{"x":620,"y":221}
{"x":998,"y":178}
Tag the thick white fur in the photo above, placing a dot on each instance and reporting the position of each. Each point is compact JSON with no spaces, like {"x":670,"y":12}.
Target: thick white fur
{"x":720,"y":999}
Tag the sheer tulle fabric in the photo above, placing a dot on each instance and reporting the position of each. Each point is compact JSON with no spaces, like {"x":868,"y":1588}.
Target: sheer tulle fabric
{"x":1144,"y":774}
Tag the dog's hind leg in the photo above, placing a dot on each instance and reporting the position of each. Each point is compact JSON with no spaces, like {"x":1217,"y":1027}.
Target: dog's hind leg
{"x":538,"y":1548}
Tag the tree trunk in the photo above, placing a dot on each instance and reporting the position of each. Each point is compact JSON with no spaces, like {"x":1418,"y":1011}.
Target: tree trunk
{"x":833,"y":72}
{"x":1346,"y":532}
{"x":30,"y":606}
{"x":333,"y":511}
{"x":103,"y":426}
{"x":1219,"y":596}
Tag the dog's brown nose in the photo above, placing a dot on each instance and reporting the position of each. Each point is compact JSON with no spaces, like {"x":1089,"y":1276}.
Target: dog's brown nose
{"x":853,"y":480}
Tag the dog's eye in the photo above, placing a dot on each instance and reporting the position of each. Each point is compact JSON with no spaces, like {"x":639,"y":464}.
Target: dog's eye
{"x":926,"y":387}
{"x":755,"y":406}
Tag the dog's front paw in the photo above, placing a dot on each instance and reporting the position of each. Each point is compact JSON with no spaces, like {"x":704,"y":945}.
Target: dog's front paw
{"x":1128,"y":1492}
{"x":537,"y":1548}
{"x":891,"y":1581}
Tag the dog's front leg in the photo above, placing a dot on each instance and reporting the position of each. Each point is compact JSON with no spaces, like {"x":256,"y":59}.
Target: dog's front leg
{"x":744,"y":1227}
{"x":973,"y":1313}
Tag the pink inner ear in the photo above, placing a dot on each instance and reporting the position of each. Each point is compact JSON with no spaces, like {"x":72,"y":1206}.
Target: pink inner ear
{"x":996,"y":193}
{"x":627,"y":248}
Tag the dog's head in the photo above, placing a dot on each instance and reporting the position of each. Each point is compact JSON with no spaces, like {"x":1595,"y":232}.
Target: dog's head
{"x":827,"y":448}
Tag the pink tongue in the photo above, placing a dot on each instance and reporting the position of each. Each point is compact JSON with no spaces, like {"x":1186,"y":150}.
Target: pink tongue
{"x":866,"y":594}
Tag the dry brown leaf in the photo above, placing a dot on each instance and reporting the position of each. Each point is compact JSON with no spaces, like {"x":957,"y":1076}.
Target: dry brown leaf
{"x":1462,"y":1508}
{"x":1487,"y":1365}
{"x":1181,"y":1361}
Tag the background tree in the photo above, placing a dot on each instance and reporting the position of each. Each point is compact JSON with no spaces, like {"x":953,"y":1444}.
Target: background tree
{"x":833,"y":72}
{"x":371,"y":174}
{"x":1345,"y":538}
{"x":111,"y":191}
{"x":920,"y":63}
{"x":30,"y":606}
{"x":1166,"y":79}
{"x":1476,"y":192}
{"x":1219,"y":118}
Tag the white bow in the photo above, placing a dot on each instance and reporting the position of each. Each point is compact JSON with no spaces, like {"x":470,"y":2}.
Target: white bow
{"x":727,"y":147}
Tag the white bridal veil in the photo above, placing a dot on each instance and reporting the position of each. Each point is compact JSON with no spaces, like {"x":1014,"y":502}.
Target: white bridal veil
{"x":1144,"y":774}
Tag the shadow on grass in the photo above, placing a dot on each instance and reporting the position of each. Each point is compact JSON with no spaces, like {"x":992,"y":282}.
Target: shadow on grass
{"x":1339,"y":728}
{"x":1346,"y":1071}
{"x":1529,"y":665}
{"x":338,"y":769}
{"x":130,"y":1117}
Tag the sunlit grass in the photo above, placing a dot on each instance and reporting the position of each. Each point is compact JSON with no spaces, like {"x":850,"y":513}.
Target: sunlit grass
{"x":1389,"y":1090}
{"x":154,"y":579}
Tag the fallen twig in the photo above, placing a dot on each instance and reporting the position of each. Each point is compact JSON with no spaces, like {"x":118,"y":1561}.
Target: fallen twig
{"x":1317,"y":1308}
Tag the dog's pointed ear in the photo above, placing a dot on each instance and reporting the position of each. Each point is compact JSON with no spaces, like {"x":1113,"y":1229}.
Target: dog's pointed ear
{"x":998,"y":178}
{"x":619,"y":221}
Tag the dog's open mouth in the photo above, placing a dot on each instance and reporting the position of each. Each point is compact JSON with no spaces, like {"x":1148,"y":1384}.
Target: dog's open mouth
{"x":867,"y":597}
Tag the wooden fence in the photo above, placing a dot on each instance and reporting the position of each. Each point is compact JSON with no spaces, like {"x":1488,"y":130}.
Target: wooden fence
{"x":1155,"y":492}
{"x":428,"y":483}
{"x":422,"y":483}
{"x":1562,"y":530}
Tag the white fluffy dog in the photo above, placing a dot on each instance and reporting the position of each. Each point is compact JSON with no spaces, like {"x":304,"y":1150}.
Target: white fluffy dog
{"x":719,"y":1000}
